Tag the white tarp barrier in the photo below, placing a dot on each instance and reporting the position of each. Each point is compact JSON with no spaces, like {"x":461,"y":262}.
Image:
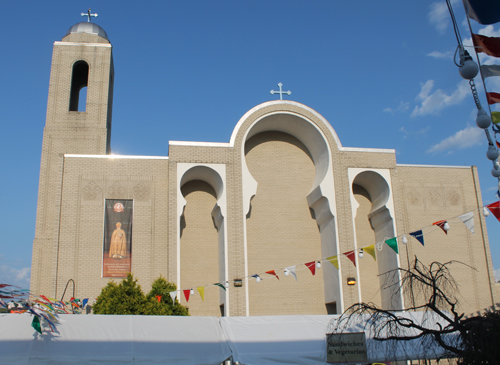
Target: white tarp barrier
{"x":108,"y":339}
{"x":277,"y":339}
{"x":302,"y":339}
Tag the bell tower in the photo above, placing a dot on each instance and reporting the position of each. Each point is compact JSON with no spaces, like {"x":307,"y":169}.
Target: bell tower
{"x":78,"y":122}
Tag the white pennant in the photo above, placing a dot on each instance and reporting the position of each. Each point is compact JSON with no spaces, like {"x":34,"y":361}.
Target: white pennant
{"x":291,"y":269}
{"x":468,"y":219}
{"x":173,"y":294}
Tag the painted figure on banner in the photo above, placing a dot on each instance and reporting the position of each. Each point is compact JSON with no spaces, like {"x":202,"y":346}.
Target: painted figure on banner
{"x":118,"y":247}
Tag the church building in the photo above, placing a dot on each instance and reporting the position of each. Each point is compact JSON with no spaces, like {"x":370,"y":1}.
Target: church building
{"x":279,"y":216}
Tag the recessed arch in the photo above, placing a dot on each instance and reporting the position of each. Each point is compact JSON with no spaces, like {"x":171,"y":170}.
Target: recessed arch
{"x":79,"y":81}
{"x":376,"y":184}
{"x":214,"y":175}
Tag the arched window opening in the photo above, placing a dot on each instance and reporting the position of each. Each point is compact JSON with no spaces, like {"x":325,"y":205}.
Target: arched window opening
{"x":79,"y":82}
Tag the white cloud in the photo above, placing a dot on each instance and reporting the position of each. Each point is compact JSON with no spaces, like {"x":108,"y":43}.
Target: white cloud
{"x":17,"y":277}
{"x":439,"y":16}
{"x":434,"y":102}
{"x":441,"y":55}
{"x":402,"y":107}
{"x":464,"y":138}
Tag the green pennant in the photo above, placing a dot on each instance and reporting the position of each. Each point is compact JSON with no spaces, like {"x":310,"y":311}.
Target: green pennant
{"x":222,"y":286}
{"x":393,"y":243}
{"x":36,"y":324}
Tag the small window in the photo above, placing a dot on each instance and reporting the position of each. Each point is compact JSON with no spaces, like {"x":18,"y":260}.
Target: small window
{"x":221,"y":307}
{"x":79,"y":82}
{"x":331,"y":308}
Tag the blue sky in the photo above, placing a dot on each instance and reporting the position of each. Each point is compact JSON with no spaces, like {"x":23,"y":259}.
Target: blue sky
{"x":380,"y":72}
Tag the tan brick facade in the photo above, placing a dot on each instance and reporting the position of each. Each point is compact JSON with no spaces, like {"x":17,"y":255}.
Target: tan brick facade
{"x":282,"y":192}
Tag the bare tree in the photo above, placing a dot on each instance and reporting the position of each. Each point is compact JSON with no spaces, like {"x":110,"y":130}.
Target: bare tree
{"x":431,"y":324}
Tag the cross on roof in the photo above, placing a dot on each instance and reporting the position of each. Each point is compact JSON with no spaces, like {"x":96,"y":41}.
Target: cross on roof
{"x":89,"y":15}
{"x":281,"y":92}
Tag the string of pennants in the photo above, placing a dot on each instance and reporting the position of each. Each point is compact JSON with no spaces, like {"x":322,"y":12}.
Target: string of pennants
{"x":485,"y":13}
{"x":467,"y":219}
{"x":45,"y":310}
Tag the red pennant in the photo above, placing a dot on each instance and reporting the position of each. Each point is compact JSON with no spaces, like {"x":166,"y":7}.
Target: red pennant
{"x":187,"y":292}
{"x":312,"y":266}
{"x":45,"y":298}
{"x":158,"y":298}
{"x":440,"y":224}
{"x":351,"y":255}
{"x":488,"y":45}
{"x":495,"y":209}
{"x":71,"y":299}
{"x":272,"y":272}
{"x":498,"y":144}
{"x":493,"y":98}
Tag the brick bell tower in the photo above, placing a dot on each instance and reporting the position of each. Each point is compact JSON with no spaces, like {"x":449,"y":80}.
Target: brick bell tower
{"x":78,"y":122}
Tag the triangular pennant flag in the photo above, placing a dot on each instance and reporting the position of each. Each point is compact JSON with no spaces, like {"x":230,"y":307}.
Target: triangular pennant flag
{"x":36,"y":324}
{"x":187,"y":292}
{"x":419,"y":236}
{"x":158,"y":298}
{"x":351,"y":256}
{"x":488,"y":45}
{"x":291,"y":270}
{"x":334,"y":260}
{"x":371,"y":251}
{"x":440,"y":224}
{"x":495,"y":118}
{"x":272,"y":272}
{"x":490,"y":70}
{"x":201,"y":290}
{"x":221,"y":286}
{"x":493,"y":98}
{"x":173,"y":294}
{"x":495,"y":209}
{"x":393,"y":243}
{"x":312,"y":266}
{"x":85,"y":301}
{"x":468,"y":219}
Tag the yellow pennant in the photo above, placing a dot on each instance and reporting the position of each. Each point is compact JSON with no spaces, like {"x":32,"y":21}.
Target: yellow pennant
{"x":334,"y":260}
{"x":495,"y":117}
{"x":370,"y":250}
{"x":201,"y":290}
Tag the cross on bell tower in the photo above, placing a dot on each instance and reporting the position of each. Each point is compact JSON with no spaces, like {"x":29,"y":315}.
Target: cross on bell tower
{"x":281,"y":92}
{"x":89,"y":15}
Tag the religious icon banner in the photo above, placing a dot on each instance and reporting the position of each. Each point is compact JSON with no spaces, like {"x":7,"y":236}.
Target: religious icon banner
{"x":117,"y":247}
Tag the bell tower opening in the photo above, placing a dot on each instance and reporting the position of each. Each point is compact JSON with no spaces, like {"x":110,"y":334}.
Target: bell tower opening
{"x":79,"y":82}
